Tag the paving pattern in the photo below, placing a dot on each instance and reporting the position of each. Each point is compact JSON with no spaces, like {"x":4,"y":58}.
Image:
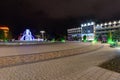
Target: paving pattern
{"x":79,"y":67}
{"x":31,"y":58}
{"x":30,"y":49}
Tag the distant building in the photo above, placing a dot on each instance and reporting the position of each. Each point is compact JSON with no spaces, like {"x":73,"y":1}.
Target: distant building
{"x":85,"y":30}
{"x":92,"y":30}
{"x":88,"y":30}
{"x":105,"y":28}
{"x":74,"y":34}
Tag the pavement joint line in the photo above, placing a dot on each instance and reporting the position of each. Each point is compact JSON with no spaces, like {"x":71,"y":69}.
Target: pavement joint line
{"x":109,"y":76}
{"x":101,"y":75}
{"x":84,"y":75}
{"x":92,"y":73}
{"x":92,"y":78}
{"x":112,"y":74}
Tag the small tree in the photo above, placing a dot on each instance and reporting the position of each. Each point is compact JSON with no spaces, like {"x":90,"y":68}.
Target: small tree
{"x":84,"y":38}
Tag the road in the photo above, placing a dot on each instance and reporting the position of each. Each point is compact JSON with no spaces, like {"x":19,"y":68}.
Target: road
{"x":59,"y":69}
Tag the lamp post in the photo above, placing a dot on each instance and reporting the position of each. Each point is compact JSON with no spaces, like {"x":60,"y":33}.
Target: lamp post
{"x":42,"y":33}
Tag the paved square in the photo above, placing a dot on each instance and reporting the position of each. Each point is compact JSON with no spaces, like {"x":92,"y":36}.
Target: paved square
{"x":78,"y":67}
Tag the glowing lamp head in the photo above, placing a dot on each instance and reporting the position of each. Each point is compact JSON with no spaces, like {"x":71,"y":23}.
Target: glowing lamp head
{"x":114,"y":22}
{"x":88,"y":24}
{"x":92,"y":23}
{"x":42,"y":31}
{"x":98,"y":25}
{"x":105,"y":24}
{"x":119,"y":21}
{"x":82,"y":25}
{"x":101,"y":24}
{"x":85,"y":24}
{"x":110,"y":23}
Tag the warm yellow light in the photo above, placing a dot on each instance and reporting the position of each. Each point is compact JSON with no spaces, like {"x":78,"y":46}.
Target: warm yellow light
{"x":4,"y":28}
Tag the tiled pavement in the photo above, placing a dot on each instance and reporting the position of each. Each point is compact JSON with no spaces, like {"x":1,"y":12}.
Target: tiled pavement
{"x":42,"y":48}
{"x":37,"y":57}
{"x":93,"y":73}
{"x":79,"y":67}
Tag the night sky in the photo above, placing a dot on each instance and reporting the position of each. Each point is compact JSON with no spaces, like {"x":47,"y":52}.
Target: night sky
{"x":55,"y":16}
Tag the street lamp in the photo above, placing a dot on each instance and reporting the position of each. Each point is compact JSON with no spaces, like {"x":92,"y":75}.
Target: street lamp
{"x":101,"y":24}
{"x":82,"y":25}
{"x":92,"y":23}
{"x":42,"y":33}
{"x":88,"y":24}
{"x":85,"y":24}
{"x":114,"y":23}
{"x":110,"y":23}
{"x":105,"y":24}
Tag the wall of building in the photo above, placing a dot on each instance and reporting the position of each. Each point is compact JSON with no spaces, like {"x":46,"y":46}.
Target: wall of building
{"x":92,"y":30}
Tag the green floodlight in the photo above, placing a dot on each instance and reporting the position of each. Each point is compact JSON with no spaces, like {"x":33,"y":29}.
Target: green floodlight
{"x":94,"y":41}
{"x":85,"y":40}
{"x":53,"y":40}
{"x":63,"y":40}
{"x":110,"y":38}
{"x":110,"y":41}
{"x":5,"y":40}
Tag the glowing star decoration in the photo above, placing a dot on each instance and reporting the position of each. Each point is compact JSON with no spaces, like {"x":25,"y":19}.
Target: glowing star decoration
{"x":27,"y":36}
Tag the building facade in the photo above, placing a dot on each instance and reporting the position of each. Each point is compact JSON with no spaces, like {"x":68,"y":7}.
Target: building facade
{"x":92,"y":30}
{"x":74,"y":34}
{"x":88,"y":30}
